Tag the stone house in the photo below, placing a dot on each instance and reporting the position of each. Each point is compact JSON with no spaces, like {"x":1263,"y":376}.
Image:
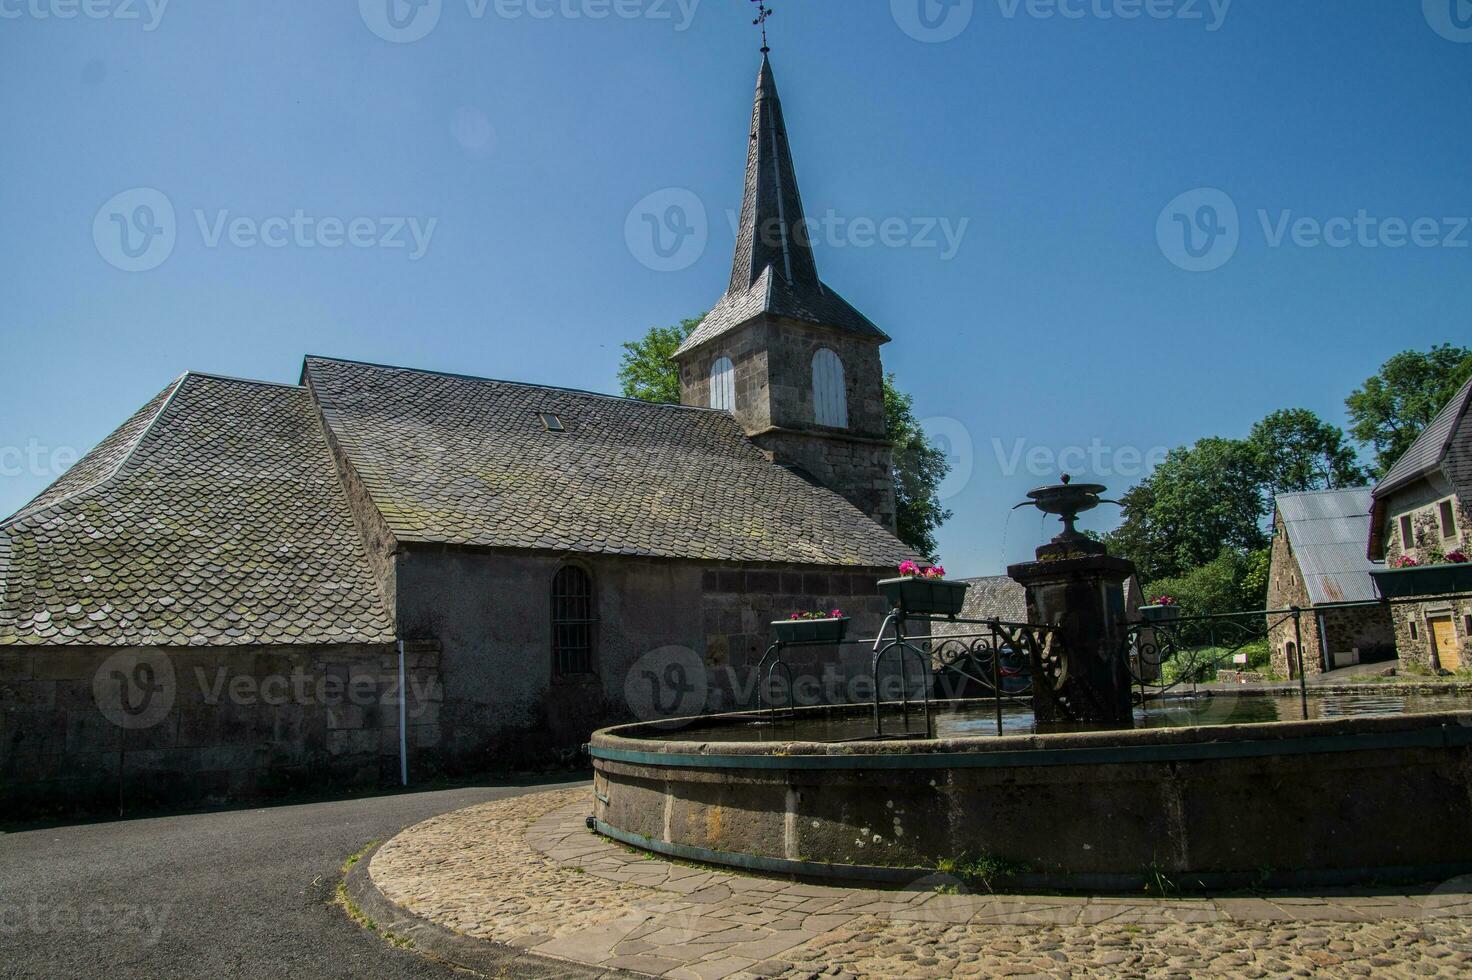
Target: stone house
{"x":1422,"y":508}
{"x":1319,"y":563}
{"x":382,"y":572}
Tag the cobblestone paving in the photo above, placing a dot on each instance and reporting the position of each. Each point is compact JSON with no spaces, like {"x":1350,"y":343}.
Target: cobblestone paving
{"x":526,"y":872}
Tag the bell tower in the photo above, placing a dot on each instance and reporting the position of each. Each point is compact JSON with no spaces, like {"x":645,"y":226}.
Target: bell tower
{"x":790,"y":358}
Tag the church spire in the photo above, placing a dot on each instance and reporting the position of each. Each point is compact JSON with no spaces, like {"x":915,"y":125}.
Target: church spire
{"x":773,"y":232}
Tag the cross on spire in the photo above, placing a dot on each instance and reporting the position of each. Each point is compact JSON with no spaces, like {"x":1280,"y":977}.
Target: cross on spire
{"x":763,"y":12}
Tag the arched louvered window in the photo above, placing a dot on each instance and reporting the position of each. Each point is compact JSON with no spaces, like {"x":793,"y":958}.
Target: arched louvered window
{"x":573,"y":622}
{"x":830,"y":399}
{"x":723,"y":385}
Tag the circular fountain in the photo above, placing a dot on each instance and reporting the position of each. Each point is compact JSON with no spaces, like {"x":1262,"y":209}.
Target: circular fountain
{"x":1078,"y":784}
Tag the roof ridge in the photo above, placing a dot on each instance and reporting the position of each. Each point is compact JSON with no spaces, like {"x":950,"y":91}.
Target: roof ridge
{"x":27,"y":511}
{"x":508,"y":381}
{"x":245,"y":381}
{"x":1454,"y":409}
{"x":1306,"y":493}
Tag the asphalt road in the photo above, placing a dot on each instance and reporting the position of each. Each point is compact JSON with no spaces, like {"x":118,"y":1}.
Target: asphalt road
{"x":245,"y":893}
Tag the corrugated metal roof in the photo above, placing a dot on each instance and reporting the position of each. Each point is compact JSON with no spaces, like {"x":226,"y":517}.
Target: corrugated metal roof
{"x":1328,"y":530}
{"x":1427,"y":452}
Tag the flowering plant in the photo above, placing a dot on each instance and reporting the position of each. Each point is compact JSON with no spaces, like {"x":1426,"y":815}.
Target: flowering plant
{"x":830,"y":614}
{"x":912,"y":569}
{"x":1405,"y":561}
{"x":1458,"y":557}
{"x":1165,"y":600}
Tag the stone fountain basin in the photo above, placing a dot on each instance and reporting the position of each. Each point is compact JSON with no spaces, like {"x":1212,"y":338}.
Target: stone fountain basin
{"x":1271,"y":804}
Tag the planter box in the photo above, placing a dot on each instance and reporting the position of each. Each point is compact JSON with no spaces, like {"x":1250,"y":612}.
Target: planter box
{"x":1159,"y":614}
{"x":1401,"y":583}
{"x":925,"y":596}
{"x":811,"y":630}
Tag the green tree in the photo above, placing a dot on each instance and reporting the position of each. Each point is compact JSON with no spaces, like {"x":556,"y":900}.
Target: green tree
{"x":648,"y":371}
{"x":919,"y":468}
{"x":1201,"y":500}
{"x":1389,"y":411}
{"x":1231,"y":582}
{"x":1296,"y":451}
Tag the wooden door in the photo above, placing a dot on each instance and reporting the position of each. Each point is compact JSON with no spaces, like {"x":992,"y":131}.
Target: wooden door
{"x":1448,"y":650}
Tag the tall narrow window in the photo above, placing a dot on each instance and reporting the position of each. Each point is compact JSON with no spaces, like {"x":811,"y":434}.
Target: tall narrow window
{"x":1406,"y":543}
{"x":830,"y":400}
{"x":723,"y":385}
{"x":572,"y":622}
{"x":1448,"y":520}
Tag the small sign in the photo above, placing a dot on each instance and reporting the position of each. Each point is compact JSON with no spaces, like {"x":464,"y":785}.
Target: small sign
{"x":1239,"y":658}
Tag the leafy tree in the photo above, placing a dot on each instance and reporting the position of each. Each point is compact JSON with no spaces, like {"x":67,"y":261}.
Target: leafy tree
{"x":919,"y":468}
{"x":1201,"y":500}
{"x":1227,"y":583}
{"x":1296,"y":450}
{"x":1389,"y":411}
{"x":648,"y":371}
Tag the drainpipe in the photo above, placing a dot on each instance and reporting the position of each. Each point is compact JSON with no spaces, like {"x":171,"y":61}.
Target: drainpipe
{"x":403,"y":721}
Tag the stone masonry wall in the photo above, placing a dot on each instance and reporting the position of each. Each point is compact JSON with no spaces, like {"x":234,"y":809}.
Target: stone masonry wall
{"x":1421,"y":503}
{"x":1286,"y":589}
{"x":187,"y":726}
{"x":774,"y":404}
{"x":669,"y":637}
{"x":861,"y":472}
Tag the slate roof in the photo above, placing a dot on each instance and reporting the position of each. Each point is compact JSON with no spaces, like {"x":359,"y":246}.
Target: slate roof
{"x":773,"y":270}
{"x":1327,"y":530}
{"x":1445,"y":446}
{"x":1430,"y":448}
{"x":214,"y":516}
{"x":468,"y":461}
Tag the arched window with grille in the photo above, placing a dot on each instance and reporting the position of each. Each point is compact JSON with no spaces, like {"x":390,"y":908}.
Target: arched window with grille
{"x":573,"y":622}
{"x":830,"y":399}
{"x":723,"y":385}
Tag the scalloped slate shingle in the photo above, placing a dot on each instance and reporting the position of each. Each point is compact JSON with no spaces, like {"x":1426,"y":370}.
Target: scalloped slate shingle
{"x":468,"y":461}
{"x":213,"y":517}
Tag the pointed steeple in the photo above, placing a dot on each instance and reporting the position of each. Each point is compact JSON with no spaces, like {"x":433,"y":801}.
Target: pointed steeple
{"x":773,"y":231}
{"x":773,"y":271}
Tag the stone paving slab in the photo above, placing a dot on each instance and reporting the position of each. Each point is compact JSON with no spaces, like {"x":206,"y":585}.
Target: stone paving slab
{"x":526,"y":872}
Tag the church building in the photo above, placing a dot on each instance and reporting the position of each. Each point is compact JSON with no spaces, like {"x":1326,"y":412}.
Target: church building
{"x":378,"y":571}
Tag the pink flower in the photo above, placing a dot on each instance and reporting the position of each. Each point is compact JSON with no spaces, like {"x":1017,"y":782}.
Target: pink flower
{"x":1405,"y":561}
{"x":935,"y":571}
{"x":796,"y":616}
{"x":909,"y":568}
{"x":1457,"y":557}
{"x":836,"y":614}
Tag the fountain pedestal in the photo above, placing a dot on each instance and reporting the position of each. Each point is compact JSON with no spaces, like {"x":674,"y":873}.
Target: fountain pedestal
{"x":1076,"y":586}
{"x":1087,"y":676}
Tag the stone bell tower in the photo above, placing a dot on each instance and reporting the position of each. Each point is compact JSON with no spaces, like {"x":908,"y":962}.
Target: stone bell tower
{"x":790,"y":358}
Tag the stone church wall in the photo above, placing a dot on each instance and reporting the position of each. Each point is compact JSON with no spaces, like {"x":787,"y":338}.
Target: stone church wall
{"x":202,"y":725}
{"x":672,"y":638}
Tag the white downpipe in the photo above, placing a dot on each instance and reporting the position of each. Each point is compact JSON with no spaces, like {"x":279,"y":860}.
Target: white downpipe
{"x":403,"y":722}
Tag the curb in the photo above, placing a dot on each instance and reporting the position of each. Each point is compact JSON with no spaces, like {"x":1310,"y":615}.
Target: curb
{"x":481,"y":957}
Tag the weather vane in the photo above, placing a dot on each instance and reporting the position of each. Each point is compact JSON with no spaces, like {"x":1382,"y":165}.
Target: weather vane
{"x":763,"y":12}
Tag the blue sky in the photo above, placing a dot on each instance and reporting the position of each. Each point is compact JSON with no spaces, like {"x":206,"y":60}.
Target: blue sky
{"x":518,"y":137}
